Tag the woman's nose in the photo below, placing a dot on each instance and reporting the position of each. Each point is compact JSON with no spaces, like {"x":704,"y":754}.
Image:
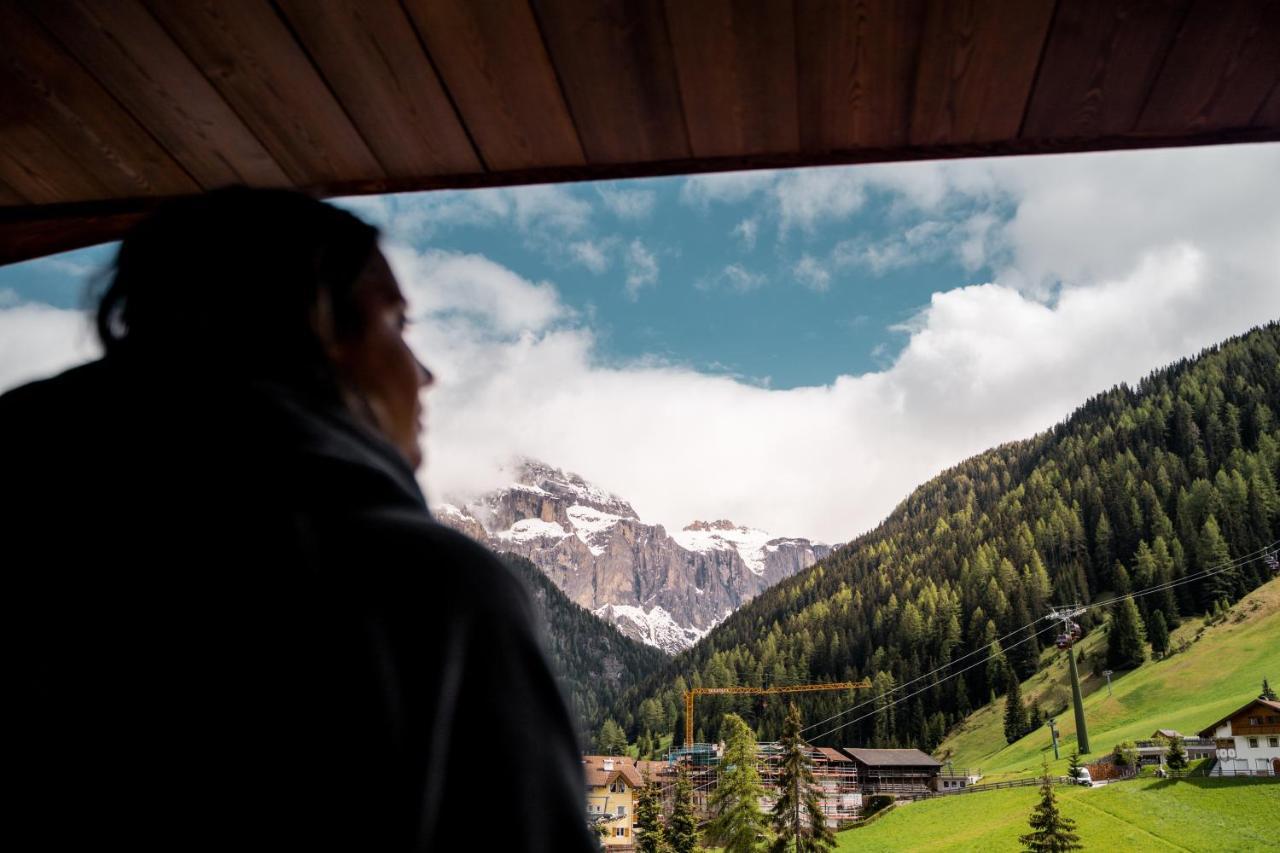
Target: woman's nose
{"x":425,"y":377}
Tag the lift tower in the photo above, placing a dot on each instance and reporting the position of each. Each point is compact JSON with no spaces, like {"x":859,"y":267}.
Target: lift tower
{"x":1067,"y":640}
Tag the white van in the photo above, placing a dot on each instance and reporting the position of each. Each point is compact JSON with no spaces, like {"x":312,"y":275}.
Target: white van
{"x":1083,"y":777}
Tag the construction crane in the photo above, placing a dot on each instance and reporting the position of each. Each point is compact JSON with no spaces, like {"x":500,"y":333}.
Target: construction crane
{"x":757,"y":691}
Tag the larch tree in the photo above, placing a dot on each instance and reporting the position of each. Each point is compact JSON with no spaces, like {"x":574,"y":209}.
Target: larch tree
{"x":798,"y":820}
{"x":737,"y":824}
{"x":1051,"y":831}
{"x":611,"y":740}
{"x":1159,"y":633}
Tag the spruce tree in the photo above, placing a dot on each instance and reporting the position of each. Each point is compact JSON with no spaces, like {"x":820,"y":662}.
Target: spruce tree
{"x":1073,"y":765}
{"x":1159,"y":633}
{"x":1176,"y":757}
{"x":737,"y":822}
{"x":682,"y":829}
{"x":797,"y":802}
{"x":1267,"y":692}
{"x":1126,"y":640}
{"x":649,"y":834}
{"x":1051,"y":831}
{"x":1015,"y":713}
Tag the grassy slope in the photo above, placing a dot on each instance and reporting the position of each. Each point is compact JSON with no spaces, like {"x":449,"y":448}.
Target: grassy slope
{"x":1187,"y":692}
{"x":1196,"y":814}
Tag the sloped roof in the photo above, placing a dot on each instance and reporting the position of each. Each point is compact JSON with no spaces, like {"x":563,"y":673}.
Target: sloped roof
{"x":1266,"y":703}
{"x":597,"y":776}
{"x":110,"y":107}
{"x":891,"y":757}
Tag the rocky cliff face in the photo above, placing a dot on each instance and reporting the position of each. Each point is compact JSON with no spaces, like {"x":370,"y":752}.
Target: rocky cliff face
{"x":664,"y":589}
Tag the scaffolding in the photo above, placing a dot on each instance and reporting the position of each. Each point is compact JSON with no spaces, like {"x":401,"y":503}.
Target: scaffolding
{"x":835,"y":775}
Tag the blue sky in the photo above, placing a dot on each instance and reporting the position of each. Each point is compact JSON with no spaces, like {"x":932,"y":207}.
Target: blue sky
{"x":792,"y":350}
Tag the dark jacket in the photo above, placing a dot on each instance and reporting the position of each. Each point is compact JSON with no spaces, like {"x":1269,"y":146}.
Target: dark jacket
{"x":234,"y":625}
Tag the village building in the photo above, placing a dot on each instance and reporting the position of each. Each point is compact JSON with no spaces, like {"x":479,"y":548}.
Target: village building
{"x":1154,"y":749}
{"x":900,"y":772}
{"x":612,"y":781}
{"x":1247,"y":740}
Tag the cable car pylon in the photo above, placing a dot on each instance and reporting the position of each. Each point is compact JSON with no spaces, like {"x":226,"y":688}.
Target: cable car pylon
{"x":1070,"y":633}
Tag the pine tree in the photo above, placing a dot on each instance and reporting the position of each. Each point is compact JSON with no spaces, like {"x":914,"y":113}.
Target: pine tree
{"x":1126,"y":640}
{"x":1051,"y":831}
{"x":650,"y":837}
{"x":611,"y":740}
{"x":682,"y":829}
{"x":1015,"y":713}
{"x":1159,"y":634}
{"x":1176,"y":757}
{"x":797,"y":802}
{"x":1073,"y":765}
{"x":1267,"y":692}
{"x":737,"y":822}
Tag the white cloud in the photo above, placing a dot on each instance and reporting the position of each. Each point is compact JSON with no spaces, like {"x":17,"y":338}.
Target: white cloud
{"x":39,"y":340}
{"x":810,"y":272}
{"x":642,"y":269}
{"x":631,"y":205}
{"x":590,"y":254}
{"x":724,"y":187}
{"x":808,"y":197}
{"x":734,"y":277}
{"x":1152,"y":256}
{"x":747,"y":230}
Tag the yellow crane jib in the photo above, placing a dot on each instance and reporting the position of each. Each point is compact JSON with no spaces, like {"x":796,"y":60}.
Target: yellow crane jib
{"x":758,"y":691}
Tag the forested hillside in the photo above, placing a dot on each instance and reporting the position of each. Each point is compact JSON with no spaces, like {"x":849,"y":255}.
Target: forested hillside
{"x":1140,"y":486}
{"x":594,"y":660}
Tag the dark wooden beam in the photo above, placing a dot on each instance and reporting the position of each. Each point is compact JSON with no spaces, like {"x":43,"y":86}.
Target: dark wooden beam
{"x":31,"y":231}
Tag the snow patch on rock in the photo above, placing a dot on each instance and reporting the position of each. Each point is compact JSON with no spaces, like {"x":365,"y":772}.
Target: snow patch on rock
{"x":592,"y":525}
{"x":532,"y":530}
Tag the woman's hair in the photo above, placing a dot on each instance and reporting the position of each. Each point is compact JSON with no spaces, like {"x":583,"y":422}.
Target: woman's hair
{"x":235,"y":281}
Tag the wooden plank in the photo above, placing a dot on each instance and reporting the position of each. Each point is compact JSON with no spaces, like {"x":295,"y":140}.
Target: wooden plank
{"x":132,"y":57}
{"x":1220,"y":70}
{"x":49,"y":93}
{"x":857,"y":71}
{"x":14,"y":218}
{"x":736,"y":63}
{"x":25,"y":240}
{"x":370,"y":55}
{"x":9,"y":197}
{"x":1100,"y":62}
{"x":247,"y":52}
{"x":1269,"y":113}
{"x":978,"y":61}
{"x":615,"y":63}
{"x":491,"y":58}
{"x":32,"y":162}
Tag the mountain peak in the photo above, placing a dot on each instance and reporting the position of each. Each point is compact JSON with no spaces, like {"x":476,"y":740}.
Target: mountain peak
{"x":568,"y":486}
{"x":722,"y":524}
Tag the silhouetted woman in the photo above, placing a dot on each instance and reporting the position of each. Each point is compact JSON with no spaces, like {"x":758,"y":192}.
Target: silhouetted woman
{"x":233,"y":623}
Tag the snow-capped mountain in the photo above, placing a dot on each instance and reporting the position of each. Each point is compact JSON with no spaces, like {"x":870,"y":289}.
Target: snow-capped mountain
{"x":666,"y":590}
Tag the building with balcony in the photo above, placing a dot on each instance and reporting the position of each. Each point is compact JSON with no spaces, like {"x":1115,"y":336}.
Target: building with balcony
{"x":1247,"y":741}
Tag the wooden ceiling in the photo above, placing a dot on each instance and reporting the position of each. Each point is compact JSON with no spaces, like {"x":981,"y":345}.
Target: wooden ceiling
{"x":107,"y":106}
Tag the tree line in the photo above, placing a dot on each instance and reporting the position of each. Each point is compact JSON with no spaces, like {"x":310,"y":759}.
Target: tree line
{"x":1140,"y":486}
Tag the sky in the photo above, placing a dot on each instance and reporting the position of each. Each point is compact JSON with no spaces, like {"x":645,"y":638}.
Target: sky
{"x":793,"y":350}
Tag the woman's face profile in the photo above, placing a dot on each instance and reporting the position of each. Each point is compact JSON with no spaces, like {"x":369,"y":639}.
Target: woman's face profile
{"x":381,"y":377}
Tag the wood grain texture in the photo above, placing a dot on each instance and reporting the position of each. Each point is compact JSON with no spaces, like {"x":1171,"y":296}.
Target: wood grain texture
{"x":9,"y":197}
{"x":1269,"y":113}
{"x":857,"y":66}
{"x":48,"y":93}
{"x":978,"y":61}
{"x":614,"y":60}
{"x":492,"y":61}
{"x":248,"y":54}
{"x":1100,"y":62}
{"x":736,"y":63}
{"x":1220,"y":70}
{"x":127,"y":51}
{"x":368,"y":52}
{"x":23,"y":240}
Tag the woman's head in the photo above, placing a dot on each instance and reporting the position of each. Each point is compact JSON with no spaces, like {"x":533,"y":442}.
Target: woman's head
{"x":243,"y":284}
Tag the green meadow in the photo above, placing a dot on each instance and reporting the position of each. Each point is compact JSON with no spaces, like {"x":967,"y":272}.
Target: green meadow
{"x":1221,"y":669}
{"x":1147,"y":814}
